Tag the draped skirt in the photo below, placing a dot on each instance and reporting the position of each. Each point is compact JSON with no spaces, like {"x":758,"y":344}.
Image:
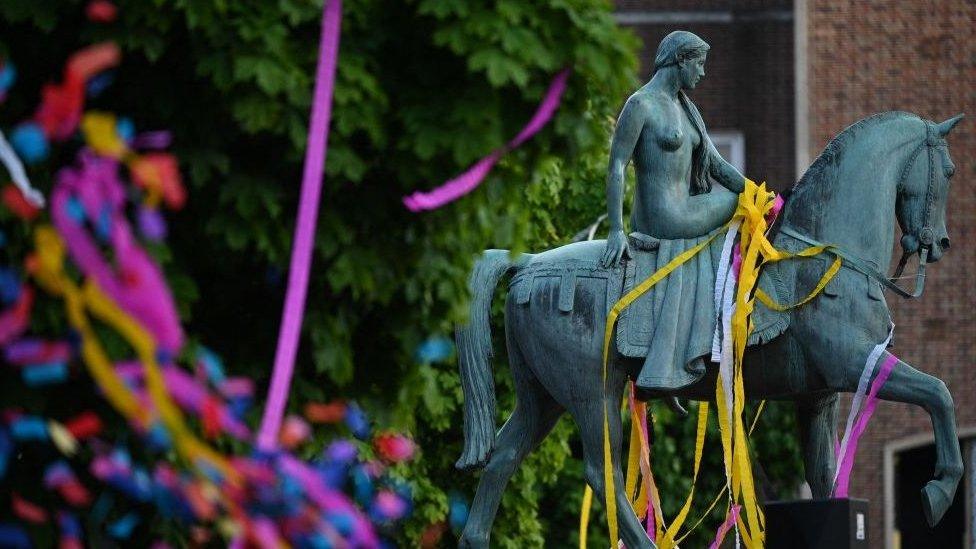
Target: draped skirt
{"x":683,"y":314}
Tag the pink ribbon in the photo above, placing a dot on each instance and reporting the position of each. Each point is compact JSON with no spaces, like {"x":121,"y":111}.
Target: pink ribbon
{"x":187,"y":392}
{"x":308,"y":207}
{"x":863,"y":387}
{"x":328,"y":500}
{"x":645,"y":461}
{"x":135,"y":282}
{"x":15,"y":320}
{"x":847,"y":460}
{"x":773,"y":213}
{"x":725,"y":527}
{"x":469,"y":180}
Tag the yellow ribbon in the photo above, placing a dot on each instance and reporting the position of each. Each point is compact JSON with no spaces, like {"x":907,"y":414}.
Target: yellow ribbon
{"x":633,"y":462}
{"x":640,"y":465}
{"x":638,"y":461}
{"x":51,"y":276}
{"x":618,"y":307}
{"x":755,"y":202}
{"x":585,"y":515}
{"x":668,"y":541}
{"x":821,"y":284}
{"x":101,"y":133}
{"x":718,"y":496}
{"x":756,"y":250}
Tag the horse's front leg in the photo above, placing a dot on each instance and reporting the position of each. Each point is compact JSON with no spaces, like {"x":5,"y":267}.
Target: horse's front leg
{"x":907,"y":384}
{"x":817,"y":420}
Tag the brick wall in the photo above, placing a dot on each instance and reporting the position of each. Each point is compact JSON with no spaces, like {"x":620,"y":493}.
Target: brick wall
{"x":748,"y":84}
{"x":701,"y":5}
{"x":879,"y":55}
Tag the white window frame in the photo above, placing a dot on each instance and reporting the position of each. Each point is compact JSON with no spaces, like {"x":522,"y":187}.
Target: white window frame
{"x":736,"y":142}
{"x":967,"y":438}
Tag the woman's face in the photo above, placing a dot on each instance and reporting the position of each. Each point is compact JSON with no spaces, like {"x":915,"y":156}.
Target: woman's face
{"x":692,"y":70}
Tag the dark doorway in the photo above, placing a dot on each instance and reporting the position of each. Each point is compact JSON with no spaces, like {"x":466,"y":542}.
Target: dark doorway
{"x":913,"y":468}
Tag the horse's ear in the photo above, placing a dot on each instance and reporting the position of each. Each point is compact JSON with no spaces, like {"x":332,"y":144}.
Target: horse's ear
{"x":945,"y":127}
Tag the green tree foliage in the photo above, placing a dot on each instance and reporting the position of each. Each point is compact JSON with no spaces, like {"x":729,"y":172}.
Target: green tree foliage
{"x":424,"y":88}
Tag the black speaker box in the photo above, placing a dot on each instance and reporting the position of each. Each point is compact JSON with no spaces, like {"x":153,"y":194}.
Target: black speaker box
{"x":817,"y":524}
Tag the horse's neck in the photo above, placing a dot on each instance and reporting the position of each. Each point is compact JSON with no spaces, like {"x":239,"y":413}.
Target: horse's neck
{"x":853,"y":205}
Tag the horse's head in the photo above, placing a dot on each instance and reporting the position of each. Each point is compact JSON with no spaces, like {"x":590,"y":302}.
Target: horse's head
{"x":923,"y":190}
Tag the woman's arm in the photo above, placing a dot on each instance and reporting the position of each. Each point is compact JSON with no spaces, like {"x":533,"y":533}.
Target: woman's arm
{"x":625,"y":135}
{"x":630,"y":123}
{"x":723,"y":172}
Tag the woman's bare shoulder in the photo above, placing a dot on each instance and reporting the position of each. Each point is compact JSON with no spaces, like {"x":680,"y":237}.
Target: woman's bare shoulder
{"x":658,"y":114}
{"x":647,"y":103}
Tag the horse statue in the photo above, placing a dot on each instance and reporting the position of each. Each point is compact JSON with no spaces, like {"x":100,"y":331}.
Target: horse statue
{"x":890,"y":164}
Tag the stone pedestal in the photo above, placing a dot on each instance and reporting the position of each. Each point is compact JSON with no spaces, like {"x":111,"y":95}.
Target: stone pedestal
{"x":817,"y":524}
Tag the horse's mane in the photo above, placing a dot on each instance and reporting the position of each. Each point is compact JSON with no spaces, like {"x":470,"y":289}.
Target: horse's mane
{"x":830,"y":156}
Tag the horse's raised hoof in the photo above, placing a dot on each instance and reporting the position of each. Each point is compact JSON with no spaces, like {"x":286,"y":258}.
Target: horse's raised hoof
{"x":935,"y":502}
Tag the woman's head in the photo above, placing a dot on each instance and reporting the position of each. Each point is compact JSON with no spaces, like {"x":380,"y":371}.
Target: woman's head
{"x":686,"y":52}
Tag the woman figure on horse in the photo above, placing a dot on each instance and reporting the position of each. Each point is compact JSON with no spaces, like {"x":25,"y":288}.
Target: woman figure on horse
{"x":661,"y":130}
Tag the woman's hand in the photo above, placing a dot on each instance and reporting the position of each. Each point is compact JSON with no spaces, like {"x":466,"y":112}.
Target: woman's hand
{"x":616,"y":248}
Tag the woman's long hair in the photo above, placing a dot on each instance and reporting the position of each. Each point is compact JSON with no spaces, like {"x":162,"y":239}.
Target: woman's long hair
{"x":675,"y":48}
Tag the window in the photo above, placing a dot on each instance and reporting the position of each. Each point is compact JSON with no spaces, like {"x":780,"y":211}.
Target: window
{"x":908,"y":466}
{"x":732,"y":146}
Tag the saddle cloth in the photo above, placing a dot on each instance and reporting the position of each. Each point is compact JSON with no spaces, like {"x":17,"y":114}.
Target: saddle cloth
{"x":569,"y":289}
{"x":636,"y":325}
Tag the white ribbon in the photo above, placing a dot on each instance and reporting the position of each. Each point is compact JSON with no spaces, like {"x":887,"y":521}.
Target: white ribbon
{"x":16,"y":169}
{"x":721,"y":282}
{"x":725,"y":280}
{"x":860,"y":395}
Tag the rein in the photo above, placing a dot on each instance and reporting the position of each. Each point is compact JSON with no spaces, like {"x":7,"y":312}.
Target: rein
{"x":854,"y":262}
{"x":925,"y":234}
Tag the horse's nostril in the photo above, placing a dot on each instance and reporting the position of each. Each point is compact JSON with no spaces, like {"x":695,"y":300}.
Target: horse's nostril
{"x":944,"y":244}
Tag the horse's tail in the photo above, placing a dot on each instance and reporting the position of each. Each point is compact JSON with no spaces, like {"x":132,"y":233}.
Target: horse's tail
{"x":474,"y":353}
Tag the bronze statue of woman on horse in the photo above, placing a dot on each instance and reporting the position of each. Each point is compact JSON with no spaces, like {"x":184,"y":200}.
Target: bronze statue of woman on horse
{"x":661,"y":130}
{"x":890,"y":165}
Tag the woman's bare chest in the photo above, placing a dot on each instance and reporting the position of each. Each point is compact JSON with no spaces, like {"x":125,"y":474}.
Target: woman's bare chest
{"x":666,"y":148}
{"x":678,"y":117}
{"x":694,"y":138}
{"x":670,"y":129}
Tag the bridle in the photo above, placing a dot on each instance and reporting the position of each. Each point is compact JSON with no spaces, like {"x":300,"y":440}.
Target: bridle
{"x":926,"y":235}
